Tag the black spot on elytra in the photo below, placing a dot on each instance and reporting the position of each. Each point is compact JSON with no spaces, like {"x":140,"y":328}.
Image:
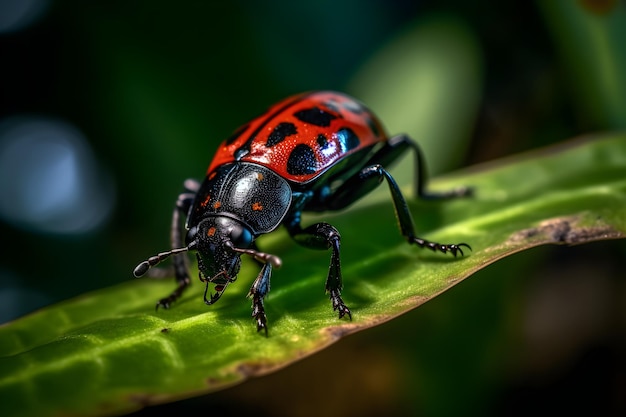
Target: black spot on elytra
{"x":322,"y":141}
{"x":373,"y":127}
{"x":302,"y":160}
{"x":232,"y":138}
{"x":281,"y":132}
{"x":315,"y":116}
{"x":348,"y":139}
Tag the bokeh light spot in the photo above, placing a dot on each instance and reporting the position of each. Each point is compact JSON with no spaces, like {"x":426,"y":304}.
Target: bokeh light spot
{"x":49,"y":179}
{"x":19,"y":14}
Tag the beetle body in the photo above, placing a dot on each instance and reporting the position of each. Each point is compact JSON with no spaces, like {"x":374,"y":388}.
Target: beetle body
{"x":316,"y":151}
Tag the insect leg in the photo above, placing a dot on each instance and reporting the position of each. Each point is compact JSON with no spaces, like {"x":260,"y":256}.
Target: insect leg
{"x":324,"y":236}
{"x":398,"y":146}
{"x":258,"y":291}
{"x":180,"y":261}
{"x":405,"y":221}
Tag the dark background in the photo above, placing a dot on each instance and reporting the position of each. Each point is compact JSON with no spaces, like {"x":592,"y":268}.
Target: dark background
{"x":107,"y":106}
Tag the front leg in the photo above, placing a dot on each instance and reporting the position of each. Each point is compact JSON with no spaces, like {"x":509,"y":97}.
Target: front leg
{"x":258,"y":291}
{"x":324,"y":236}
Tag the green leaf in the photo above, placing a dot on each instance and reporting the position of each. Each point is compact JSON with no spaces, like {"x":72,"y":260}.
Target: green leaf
{"x":110,"y":352}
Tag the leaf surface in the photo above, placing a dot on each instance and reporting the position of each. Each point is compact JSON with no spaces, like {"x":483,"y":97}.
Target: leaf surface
{"x":110,"y":352}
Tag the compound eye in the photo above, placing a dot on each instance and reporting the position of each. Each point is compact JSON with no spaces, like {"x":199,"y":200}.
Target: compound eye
{"x":240,"y":236}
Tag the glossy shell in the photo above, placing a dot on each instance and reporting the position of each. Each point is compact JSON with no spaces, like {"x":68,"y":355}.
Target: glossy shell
{"x":302,"y":136}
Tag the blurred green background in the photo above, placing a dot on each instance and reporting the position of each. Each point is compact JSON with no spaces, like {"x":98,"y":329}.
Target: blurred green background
{"x":107,"y":106}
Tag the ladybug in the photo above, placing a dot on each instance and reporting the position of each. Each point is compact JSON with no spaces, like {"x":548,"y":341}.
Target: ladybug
{"x":313,"y":152}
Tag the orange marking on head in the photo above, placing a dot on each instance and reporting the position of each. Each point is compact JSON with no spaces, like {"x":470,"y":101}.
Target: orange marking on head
{"x":259,"y":176}
{"x":205,"y":202}
{"x":217,"y":205}
{"x":257,"y":206}
{"x":212,"y":175}
{"x":211,"y":231}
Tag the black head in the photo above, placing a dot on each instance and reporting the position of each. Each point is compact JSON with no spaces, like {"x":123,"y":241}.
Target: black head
{"x":219,"y":242}
{"x":218,"y":262}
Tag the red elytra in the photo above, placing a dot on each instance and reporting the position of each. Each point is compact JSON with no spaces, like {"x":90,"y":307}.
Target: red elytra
{"x":302,"y":136}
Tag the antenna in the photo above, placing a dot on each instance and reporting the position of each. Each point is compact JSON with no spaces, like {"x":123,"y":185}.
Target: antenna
{"x":266,"y":258}
{"x":143,"y":267}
